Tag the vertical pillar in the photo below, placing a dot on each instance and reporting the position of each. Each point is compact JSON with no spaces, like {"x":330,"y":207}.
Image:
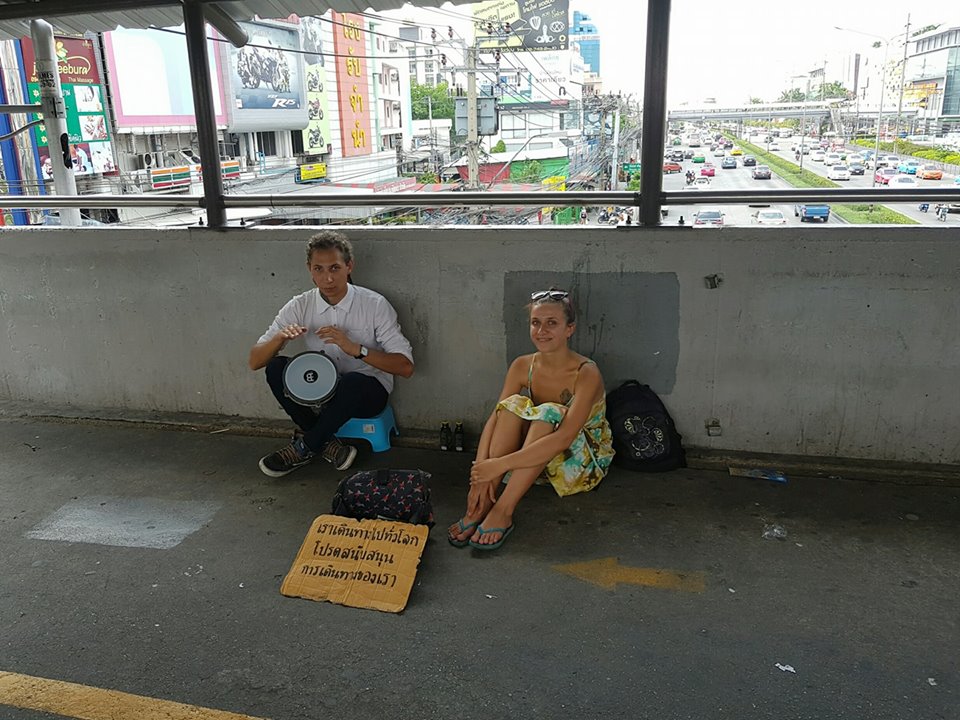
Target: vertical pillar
{"x":206,"y":116}
{"x":654,"y":111}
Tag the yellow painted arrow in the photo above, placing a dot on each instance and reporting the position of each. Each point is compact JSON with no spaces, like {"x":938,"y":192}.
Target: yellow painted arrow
{"x":608,"y":573}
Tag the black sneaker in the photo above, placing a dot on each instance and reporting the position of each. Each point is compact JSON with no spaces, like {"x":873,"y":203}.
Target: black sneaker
{"x":286,"y":459}
{"x":339,"y":454}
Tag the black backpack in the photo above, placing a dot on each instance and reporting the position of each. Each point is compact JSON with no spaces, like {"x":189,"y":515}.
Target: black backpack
{"x":401,"y":495}
{"x":644,"y":436}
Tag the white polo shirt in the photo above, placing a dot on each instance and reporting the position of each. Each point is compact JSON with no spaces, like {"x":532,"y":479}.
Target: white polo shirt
{"x":364,"y":315}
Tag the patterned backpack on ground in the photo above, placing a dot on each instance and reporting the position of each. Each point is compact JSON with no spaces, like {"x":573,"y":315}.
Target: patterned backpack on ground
{"x":400,"y":495}
{"x":644,"y":435}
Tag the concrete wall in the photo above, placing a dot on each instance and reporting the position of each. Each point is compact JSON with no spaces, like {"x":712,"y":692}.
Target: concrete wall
{"x":818,"y":341}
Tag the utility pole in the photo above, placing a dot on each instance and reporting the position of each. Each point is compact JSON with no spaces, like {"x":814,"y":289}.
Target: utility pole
{"x":903,"y":82}
{"x":473,"y":162}
{"x":54,"y":117}
{"x":614,"y":175}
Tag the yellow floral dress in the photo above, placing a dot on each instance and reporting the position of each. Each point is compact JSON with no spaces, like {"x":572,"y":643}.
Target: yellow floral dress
{"x":584,"y":464}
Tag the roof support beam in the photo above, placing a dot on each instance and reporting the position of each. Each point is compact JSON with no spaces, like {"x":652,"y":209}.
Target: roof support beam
{"x":206,"y":116}
{"x":52,"y":8}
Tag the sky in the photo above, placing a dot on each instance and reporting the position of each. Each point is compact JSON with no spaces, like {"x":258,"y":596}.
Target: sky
{"x":744,"y":48}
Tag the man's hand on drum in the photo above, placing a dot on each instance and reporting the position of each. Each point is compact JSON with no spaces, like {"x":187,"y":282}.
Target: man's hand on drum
{"x":291,"y":332}
{"x":331,"y":334}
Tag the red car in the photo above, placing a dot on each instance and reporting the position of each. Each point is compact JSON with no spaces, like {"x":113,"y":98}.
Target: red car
{"x":884,"y":174}
{"x":708,"y":170}
{"x":672,"y":167}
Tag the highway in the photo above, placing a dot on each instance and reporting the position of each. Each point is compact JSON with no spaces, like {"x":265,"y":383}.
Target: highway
{"x":740,"y":179}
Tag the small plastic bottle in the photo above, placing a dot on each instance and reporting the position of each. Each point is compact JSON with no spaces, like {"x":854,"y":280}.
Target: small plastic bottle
{"x":458,"y":437}
{"x":446,"y":437}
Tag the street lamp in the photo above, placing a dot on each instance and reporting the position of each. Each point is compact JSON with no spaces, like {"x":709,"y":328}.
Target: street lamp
{"x":803,"y":118}
{"x":883,"y":85}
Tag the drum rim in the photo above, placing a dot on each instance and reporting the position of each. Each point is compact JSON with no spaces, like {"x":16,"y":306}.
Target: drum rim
{"x":318,"y":401}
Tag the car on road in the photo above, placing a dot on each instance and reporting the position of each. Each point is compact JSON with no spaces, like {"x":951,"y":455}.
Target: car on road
{"x":708,"y":170}
{"x":956,"y":180}
{"x":749,"y":161}
{"x":831,"y":159}
{"x":672,"y":167}
{"x":770,"y":216}
{"x":930,"y":172}
{"x":818,"y":155}
{"x":887,"y":161}
{"x":884,"y":174}
{"x":736,"y":151}
{"x":903,"y":182}
{"x":687,"y":154}
{"x":699,"y":158}
{"x":908,"y":167}
{"x":855,"y":158}
{"x":708,"y":217}
{"x":718,"y":152}
{"x":838,"y":172}
{"x":813,"y":211}
{"x":856,"y":168}
{"x":728,"y":163}
{"x":760,"y":172}
{"x":675,"y":155}
{"x":774,"y":146}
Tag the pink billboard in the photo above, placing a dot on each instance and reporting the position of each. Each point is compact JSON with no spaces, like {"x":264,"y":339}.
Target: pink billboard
{"x":150,"y":75}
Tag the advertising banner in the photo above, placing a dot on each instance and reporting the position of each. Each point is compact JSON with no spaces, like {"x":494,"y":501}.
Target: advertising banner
{"x":349,"y":46}
{"x":266,"y":80}
{"x":316,"y":136}
{"x":533,"y":24}
{"x":149,"y":74}
{"x":87,"y":125}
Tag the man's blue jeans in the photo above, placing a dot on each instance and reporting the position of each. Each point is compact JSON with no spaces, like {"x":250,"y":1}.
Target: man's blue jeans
{"x":357,"y":395}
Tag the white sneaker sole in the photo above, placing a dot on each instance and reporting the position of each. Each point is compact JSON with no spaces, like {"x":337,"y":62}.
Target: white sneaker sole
{"x":279,"y":473}
{"x":345,"y":465}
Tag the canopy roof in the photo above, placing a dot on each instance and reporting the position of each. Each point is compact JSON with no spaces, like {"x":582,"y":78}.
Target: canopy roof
{"x":102,"y":15}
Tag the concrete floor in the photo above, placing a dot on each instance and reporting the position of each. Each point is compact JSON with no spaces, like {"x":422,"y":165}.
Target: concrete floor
{"x":859,"y":598}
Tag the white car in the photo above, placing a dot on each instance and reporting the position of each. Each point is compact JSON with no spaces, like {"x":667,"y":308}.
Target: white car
{"x":856,"y":158}
{"x":768,"y":217}
{"x":838,"y":172}
{"x":903,"y":182}
{"x":774,"y":146}
{"x":818,"y":155}
{"x":831,"y":159}
{"x":708,"y":217}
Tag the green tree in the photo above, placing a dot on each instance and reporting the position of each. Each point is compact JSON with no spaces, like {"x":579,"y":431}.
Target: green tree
{"x":830,"y":90}
{"x":428,"y":178}
{"x":791,"y":95}
{"x":531,"y":172}
{"x":499,"y":147}
{"x":439,"y":98}
{"x":756,"y":101}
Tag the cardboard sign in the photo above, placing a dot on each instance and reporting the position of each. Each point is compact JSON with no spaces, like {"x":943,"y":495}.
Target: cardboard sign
{"x":360,"y":563}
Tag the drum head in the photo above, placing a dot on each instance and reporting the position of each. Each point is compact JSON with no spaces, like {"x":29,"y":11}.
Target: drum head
{"x":310,"y":378}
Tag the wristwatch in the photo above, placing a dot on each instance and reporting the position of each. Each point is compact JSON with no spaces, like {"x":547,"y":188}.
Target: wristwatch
{"x":363,"y":353}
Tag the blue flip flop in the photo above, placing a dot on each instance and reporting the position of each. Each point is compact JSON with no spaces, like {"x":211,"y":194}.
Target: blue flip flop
{"x":463,"y":528}
{"x":491,"y":546}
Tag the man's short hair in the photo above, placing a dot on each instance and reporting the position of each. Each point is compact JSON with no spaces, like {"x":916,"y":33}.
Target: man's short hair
{"x":330,"y":240}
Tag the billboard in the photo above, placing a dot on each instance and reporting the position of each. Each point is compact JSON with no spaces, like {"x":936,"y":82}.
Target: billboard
{"x":349,"y":46}
{"x":266,"y":80}
{"x":316,"y":136}
{"x":147,"y":70}
{"x":533,"y":24}
{"x":87,"y":125}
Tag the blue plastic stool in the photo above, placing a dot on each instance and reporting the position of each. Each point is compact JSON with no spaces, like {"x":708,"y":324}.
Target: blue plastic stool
{"x":376,"y":430}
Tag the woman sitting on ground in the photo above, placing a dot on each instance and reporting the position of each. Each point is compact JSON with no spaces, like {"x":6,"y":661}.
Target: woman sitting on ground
{"x":550,"y":420}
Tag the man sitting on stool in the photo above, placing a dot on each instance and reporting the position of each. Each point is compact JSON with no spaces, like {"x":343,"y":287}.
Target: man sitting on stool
{"x":358,"y":330}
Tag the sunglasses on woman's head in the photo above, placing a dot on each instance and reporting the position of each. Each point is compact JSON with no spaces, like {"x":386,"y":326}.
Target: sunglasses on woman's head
{"x":551,"y":294}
